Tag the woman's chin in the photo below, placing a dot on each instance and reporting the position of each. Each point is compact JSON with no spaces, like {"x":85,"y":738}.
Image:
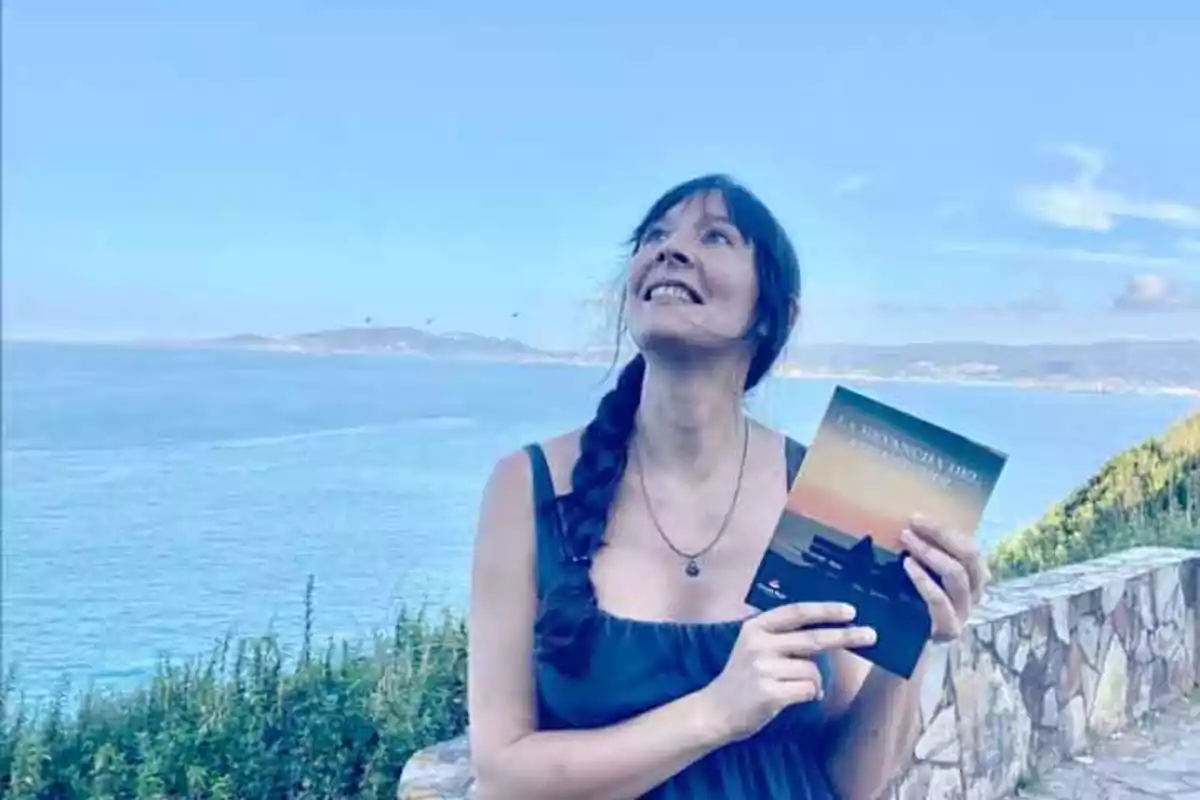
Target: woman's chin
{"x":678,"y":341}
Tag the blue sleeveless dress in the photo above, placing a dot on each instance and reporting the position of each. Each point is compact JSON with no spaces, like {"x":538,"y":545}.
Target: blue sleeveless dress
{"x":639,"y":665}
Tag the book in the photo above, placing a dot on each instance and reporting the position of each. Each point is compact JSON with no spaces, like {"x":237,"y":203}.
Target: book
{"x":867,"y":470}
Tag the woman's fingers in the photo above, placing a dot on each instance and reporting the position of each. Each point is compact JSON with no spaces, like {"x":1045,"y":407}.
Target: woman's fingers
{"x":946,"y":622}
{"x":795,"y":679}
{"x":791,"y":669}
{"x":807,"y":643}
{"x":791,"y":616}
{"x":963,"y":549}
{"x":954,"y":575}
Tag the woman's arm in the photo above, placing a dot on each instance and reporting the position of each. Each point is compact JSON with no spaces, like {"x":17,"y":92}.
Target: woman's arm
{"x":877,"y":714}
{"x":877,"y":728}
{"x":512,"y":759}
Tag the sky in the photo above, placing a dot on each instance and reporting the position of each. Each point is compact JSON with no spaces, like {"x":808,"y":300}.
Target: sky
{"x":196,"y":169}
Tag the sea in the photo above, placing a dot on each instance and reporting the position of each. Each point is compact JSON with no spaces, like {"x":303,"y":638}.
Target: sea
{"x":157,"y":500}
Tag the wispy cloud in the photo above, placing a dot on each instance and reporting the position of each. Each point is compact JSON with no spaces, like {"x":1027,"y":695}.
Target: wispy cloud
{"x":1190,"y":246}
{"x":1078,"y":255}
{"x":1080,"y":203}
{"x":1156,"y":294}
{"x":852,"y":184}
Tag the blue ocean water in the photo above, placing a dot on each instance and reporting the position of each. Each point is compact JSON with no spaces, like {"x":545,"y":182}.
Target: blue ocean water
{"x":154,"y":500}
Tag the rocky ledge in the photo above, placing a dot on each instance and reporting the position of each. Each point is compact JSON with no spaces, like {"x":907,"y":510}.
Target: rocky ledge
{"x":1157,"y":758}
{"x":1050,"y":666}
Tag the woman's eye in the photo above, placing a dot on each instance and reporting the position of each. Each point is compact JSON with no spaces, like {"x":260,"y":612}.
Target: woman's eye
{"x":654,"y":234}
{"x":713,"y":235}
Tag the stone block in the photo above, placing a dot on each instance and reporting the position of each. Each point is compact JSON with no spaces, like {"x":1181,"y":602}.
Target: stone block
{"x":1050,"y":664}
{"x":939,"y":742}
{"x":1114,"y":592}
{"x":1091,"y":679}
{"x":994,"y":727}
{"x":1075,"y":727}
{"x":1191,"y":641}
{"x":1108,"y":707}
{"x":1070,"y":675}
{"x":1004,"y":640}
{"x":439,"y":772}
{"x":915,"y":785}
{"x":1145,"y":601}
{"x":1168,"y":594}
{"x":945,"y":784}
{"x":1088,"y":638}
{"x":1060,"y":617}
{"x":933,"y":684}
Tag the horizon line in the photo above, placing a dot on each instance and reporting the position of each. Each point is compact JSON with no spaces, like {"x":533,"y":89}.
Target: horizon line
{"x":218,"y":338}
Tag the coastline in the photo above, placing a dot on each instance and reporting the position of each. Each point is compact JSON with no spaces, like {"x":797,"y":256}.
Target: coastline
{"x":785,"y":371}
{"x":1113,"y":386}
{"x":1106,"y":385}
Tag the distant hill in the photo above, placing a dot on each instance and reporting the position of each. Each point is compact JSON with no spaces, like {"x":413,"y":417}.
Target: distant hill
{"x":1101,"y":366}
{"x":1112,"y":365}
{"x":397,"y":340}
{"x":1147,"y":495}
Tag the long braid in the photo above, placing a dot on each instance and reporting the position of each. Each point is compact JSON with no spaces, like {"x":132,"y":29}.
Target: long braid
{"x":569,"y":614}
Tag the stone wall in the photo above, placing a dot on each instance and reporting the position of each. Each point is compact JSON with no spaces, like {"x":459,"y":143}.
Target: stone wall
{"x":1049,"y":665}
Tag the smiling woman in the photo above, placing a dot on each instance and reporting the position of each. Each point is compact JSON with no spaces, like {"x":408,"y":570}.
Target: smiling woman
{"x":612,"y":652}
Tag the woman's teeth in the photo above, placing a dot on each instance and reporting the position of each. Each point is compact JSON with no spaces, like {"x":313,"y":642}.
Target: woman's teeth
{"x":672,"y":293}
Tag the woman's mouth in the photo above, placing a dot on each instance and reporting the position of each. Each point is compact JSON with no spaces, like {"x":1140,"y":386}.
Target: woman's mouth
{"x":671,"y":292}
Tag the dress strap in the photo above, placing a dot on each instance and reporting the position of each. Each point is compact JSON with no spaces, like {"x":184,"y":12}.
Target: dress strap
{"x":545,"y":506}
{"x":795,"y":455}
{"x":548,"y":520}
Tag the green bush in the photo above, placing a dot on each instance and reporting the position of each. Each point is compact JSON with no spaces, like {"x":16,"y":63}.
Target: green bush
{"x":1147,"y":495}
{"x":246,"y":723}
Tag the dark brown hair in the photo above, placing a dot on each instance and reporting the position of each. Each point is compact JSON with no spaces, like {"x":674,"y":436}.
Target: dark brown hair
{"x":569,"y":612}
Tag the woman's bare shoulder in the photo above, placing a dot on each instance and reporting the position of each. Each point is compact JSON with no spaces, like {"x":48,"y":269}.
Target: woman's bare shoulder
{"x":511,"y":476}
{"x":505,"y":526}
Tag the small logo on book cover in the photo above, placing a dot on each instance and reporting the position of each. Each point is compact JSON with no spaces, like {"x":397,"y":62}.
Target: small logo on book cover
{"x":773,"y":588}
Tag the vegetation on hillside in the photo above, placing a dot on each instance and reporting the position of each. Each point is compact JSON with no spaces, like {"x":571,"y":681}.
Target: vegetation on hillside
{"x":250,"y":722}
{"x":246,"y":723}
{"x":1147,"y":495}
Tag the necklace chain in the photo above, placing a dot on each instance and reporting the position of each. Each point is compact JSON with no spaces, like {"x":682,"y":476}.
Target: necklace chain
{"x":692,"y":568}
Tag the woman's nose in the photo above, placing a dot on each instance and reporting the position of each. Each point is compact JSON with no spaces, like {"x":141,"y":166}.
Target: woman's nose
{"x":672,"y":254}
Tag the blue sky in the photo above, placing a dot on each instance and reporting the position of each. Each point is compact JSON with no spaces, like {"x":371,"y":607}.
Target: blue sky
{"x":178,"y":169}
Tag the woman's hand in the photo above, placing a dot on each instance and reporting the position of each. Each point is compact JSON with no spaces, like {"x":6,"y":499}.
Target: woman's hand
{"x":956,"y":559}
{"x":771,"y":666}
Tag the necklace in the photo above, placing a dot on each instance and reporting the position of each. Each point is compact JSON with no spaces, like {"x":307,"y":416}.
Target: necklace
{"x":692,"y":568}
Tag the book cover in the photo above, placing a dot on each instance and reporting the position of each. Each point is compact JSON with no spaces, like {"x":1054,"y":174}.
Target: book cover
{"x":869,"y":467}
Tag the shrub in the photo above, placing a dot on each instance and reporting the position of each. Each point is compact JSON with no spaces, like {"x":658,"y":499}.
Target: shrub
{"x":246,"y":722}
{"x":1147,"y":495}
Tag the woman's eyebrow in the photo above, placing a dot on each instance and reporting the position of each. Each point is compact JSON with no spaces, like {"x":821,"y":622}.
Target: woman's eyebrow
{"x":708,"y":219}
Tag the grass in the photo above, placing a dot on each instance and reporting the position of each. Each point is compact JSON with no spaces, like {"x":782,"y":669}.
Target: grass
{"x":1146,"y":495}
{"x":248,"y":722}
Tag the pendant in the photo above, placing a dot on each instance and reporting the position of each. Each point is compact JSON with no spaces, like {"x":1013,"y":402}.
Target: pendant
{"x":692,"y":569}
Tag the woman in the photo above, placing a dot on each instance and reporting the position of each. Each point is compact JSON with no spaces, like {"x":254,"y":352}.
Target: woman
{"x":611,"y":652}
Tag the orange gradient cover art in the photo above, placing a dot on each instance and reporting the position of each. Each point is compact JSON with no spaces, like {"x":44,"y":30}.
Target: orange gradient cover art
{"x":871,"y":466}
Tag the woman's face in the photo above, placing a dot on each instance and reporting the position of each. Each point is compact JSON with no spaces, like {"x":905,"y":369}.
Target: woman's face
{"x":691,"y":282}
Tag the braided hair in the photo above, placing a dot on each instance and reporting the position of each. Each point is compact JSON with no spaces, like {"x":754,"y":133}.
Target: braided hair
{"x":569,"y":614}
